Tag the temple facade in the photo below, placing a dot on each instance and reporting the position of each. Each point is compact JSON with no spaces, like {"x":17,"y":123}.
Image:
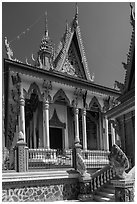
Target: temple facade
{"x":55,"y":102}
{"x":56,"y":116}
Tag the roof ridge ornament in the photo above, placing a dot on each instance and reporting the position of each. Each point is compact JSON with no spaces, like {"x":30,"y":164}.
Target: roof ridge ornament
{"x":67,"y":26}
{"x":76,"y":14}
{"x":9,"y":51}
{"x":75,"y":20}
{"x":132,"y":15}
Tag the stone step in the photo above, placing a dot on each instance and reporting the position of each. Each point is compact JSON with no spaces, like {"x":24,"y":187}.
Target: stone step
{"x":108,"y":190}
{"x":105,"y":194}
{"x":99,"y":198}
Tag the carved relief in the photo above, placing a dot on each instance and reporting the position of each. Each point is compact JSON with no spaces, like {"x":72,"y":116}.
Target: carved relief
{"x":14,"y":109}
{"x":47,"y":86}
{"x":68,"y":68}
{"x":77,"y":96}
{"x":60,"y":95}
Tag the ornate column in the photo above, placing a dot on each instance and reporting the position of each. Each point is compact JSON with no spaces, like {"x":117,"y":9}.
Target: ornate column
{"x":100,"y":130}
{"x":84,"y":129}
{"x":77,"y":95}
{"x":106,"y":134}
{"x":46,"y":138}
{"x":21,"y":151}
{"x":113,"y":136}
{"x":47,"y":86}
{"x":22,"y":116}
{"x":76,"y":112}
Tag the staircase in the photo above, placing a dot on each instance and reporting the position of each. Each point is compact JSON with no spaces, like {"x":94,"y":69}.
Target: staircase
{"x":105,"y":194}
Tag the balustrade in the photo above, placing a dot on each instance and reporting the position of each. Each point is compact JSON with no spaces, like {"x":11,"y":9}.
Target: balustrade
{"x":50,"y":158}
{"x":101,"y":177}
{"x":95,"y":158}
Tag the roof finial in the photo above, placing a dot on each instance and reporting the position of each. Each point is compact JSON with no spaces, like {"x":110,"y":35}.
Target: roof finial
{"x":76,"y":14}
{"x":132,"y":14}
{"x":46,"y":25}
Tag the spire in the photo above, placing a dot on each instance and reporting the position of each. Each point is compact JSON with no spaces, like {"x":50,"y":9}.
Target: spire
{"x":46,"y":25}
{"x":76,"y":14}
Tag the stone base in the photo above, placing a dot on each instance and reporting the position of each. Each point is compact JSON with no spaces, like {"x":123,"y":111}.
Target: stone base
{"x":124,"y":190}
{"x":85,"y":197}
{"x":36,"y":187}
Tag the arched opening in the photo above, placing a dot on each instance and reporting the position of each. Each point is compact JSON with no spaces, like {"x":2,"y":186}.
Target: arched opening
{"x":34,"y":118}
{"x":91,"y":129}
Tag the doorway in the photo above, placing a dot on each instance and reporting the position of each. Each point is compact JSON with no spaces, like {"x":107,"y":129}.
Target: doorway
{"x":56,"y":141}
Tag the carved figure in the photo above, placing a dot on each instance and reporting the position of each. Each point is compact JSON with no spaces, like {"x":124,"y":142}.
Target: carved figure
{"x":119,"y":161}
{"x":81,"y":166}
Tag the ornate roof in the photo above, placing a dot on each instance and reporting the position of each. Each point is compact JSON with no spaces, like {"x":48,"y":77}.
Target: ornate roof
{"x":130,"y":65}
{"x":70,"y":48}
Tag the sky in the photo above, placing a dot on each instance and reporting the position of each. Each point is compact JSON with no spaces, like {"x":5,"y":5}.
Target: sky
{"x":105,"y":29}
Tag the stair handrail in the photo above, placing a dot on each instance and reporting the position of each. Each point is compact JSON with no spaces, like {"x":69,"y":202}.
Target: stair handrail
{"x":102,"y":176}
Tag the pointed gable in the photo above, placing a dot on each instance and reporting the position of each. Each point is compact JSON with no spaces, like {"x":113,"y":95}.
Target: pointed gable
{"x":70,"y":56}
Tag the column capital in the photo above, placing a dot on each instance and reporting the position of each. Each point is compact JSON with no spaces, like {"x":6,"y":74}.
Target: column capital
{"x":76,"y":111}
{"x":22,"y":101}
{"x":84,"y":111}
{"x":45,"y":105}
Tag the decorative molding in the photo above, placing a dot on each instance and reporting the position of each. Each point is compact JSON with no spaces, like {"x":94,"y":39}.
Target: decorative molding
{"x":77,"y":96}
{"x":34,"y":88}
{"x":61,"y":95}
{"x":47,"y":86}
{"x":94,"y":103}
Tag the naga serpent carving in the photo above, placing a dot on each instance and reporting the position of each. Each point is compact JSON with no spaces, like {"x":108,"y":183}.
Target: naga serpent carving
{"x":119,"y":161}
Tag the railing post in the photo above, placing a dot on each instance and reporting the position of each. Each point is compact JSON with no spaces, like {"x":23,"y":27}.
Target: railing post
{"x":124,"y":190}
{"x":21,"y":155}
{"x":84,"y":177}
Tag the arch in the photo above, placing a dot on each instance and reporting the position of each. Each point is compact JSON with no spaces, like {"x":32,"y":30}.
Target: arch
{"x":60,"y":94}
{"x":94,"y":103}
{"x":34,"y":88}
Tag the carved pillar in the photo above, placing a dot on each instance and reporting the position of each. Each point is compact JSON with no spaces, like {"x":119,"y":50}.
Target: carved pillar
{"x":76,"y":112}
{"x":22,"y":116}
{"x":46,"y":139}
{"x":113,"y":134}
{"x":47,"y":86}
{"x":124,"y":190}
{"x":106,"y":134}
{"x":84,"y":129}
{"x":100,"y":130}
{"x":21,"y":154}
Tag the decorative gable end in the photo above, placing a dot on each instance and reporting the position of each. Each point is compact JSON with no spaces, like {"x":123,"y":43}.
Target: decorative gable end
{"x":70,"y":56}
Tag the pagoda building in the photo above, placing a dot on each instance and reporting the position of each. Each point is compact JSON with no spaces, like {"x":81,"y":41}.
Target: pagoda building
{"x":55,"y":102}
{"x":59,"y":125}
